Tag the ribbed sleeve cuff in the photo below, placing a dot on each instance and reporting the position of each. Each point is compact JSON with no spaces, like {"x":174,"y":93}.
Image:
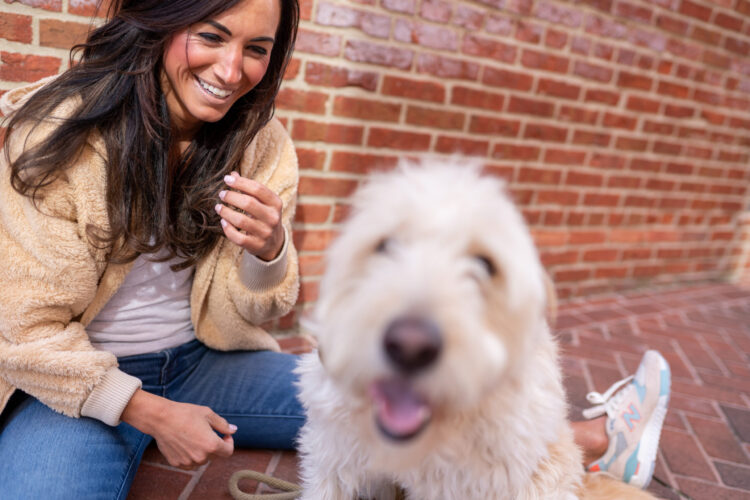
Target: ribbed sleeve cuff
{"x":259,"y":275}
{"x":110,"y":397}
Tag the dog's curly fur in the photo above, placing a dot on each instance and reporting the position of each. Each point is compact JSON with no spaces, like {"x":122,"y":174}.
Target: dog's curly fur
{"x":439,"y":241}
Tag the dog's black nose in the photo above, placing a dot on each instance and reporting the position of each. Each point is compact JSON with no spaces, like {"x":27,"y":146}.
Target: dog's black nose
{"x":412,"y":343}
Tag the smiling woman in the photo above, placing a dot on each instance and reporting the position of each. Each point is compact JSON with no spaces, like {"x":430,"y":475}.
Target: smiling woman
{"x":161,"y":194}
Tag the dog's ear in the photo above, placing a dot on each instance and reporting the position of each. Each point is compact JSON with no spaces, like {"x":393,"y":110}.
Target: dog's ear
{"x":551,"y":299}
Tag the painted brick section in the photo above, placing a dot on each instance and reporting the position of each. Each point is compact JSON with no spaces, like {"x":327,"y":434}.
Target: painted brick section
{"x":621,"y":126}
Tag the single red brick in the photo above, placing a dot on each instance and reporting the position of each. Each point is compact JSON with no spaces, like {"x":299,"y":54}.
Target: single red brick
{"x":602,"y":96}
{"x":555,"y":39}
{"x":306,"y":130}
{"x":578,"y":115}
{"x":507,"y":79}
{"x":494,"y":126}
{"x":301,"y":100}
{"x":15,"y":27}
{"x":675,"y":111}
{"x":405,"y":6}
{"x":653,"y":127}
{"x":313,"y":240}
{"x":447,"y":67}
{"x":466,"y":96}
{"x":530,"y":107}
{"x":26,"y":67}
{"x":544,"y":61}
{"x":413,"y":89}
{"x":702,"y":34}
{"x":429,"y":117}
{"x":469,"y":18}
{"x":472,"y":147}
{"x":672,"y":24}
{"x":308,"y":292}
{"x":427,"y":35}
{"x":587,"y":137}
{"x":635,"y":81}
{"x":557,"y":197}
{"x":673,"y":89}
{"x":331,"y":76}
{"x":54,"y":5}
{"x":366,"y":109}
{"x":489,"y":48}
{"x":667,"y":148}
{"x":695,"y":10}
{"x":311,"y":159}
{"x":642,"y":104}
{"x":619,"y":121}
{"x":292,"y":69}
{"x":564,"y":156}
{"x":729,"y":22}
{"x":528,"y":32}
{"x":539,"y":175}
{"x":558,"y":88}
{"x":317,"y":43}
{"x":507,"y":151}
{"x":581,"y":178}
{"x":545,"y":132}
{"x":361,"y":163}
{"x":572,"y":275}
{"x":307,"y":213}
{"x":383,"y":55}
{"x":437,"y":10}
{"x":631,"y":144}
{"x":592,"y":71}
{"x":89,"y":8}
{"x":398,"y":139}
{"x":326,"y":186}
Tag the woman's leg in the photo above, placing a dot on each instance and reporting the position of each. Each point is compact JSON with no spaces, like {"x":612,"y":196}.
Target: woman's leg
{"x":51,"y":456}
{"x":591,"y":436}
{"x":254,"y":390}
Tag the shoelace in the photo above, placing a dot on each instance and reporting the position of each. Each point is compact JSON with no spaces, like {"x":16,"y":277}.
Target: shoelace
{"x":605,"y":402}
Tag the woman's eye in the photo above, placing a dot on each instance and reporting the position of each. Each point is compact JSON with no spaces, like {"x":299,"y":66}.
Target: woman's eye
{"x":210,"y":37}
{"x":261,"y":51}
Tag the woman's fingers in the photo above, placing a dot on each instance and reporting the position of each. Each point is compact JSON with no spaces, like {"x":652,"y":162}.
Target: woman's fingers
{"x":254,"y":189}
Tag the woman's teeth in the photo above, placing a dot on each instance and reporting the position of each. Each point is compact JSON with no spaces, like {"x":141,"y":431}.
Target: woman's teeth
{"x":215,"y":90}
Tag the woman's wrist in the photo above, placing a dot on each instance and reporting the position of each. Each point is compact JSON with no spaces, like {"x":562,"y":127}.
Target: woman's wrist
{"x":144,"y":411}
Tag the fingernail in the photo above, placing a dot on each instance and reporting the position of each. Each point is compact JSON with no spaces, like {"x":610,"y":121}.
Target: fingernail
{"x":229,"y":179}
{"x":232,"y":427}
{"x":223,"y":223}
{"x":218,"y":208}
{"x":222,"y":194}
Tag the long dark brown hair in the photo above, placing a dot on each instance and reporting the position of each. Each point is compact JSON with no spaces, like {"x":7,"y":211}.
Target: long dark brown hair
{"x":153,"y":202}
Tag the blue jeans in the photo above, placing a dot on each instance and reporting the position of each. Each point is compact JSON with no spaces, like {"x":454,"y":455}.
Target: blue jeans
{"x":44,"y":454}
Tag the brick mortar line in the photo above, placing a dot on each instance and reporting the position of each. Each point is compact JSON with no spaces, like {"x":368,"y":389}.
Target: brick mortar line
{"x":190,"y":486}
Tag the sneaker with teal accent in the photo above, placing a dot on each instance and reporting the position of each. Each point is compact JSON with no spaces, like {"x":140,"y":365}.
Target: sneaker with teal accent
{"x":635,"y":408}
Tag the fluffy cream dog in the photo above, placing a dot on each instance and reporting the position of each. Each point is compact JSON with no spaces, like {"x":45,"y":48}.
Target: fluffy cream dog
{"x":436,"y":369}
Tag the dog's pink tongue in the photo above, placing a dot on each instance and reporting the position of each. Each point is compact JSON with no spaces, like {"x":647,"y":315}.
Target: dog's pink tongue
{"x":401,"y":412}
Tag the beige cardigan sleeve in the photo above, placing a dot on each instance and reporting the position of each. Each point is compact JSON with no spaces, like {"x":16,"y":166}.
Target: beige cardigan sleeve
{"x":234,"y":296}
{"x":49,"y":276}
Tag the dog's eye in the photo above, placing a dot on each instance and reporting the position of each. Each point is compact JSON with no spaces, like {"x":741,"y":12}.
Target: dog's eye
{"x":487,"y":264}
{"x":382,"y":245}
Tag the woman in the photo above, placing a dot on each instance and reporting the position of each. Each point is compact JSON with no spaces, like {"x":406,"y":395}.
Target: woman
{"x":146,"y":199}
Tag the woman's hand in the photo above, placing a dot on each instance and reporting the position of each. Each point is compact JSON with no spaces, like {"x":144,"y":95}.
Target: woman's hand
{"x":185,"y":433}
{"x":258,"y":230}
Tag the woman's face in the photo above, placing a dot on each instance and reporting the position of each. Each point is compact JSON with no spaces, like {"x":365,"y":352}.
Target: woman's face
{"x":211,"y":64}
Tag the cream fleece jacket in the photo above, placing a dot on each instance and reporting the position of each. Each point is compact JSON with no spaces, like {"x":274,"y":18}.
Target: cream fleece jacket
{"x":54,"y":282}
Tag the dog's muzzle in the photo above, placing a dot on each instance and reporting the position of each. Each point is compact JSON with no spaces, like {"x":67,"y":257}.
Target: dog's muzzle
{"x":411,"y":344}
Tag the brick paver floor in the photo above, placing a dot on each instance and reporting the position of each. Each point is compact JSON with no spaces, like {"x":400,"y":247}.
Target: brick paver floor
{"x":704,"y":333}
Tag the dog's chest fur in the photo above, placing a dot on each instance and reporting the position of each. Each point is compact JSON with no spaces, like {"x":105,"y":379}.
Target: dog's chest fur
{"x":490,"y":452}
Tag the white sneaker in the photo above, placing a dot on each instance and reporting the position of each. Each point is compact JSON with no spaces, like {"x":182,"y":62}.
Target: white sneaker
{"x":635,"y":407}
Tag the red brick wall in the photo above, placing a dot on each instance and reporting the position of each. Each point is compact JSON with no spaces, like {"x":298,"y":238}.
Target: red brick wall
{"x":622,"y":126}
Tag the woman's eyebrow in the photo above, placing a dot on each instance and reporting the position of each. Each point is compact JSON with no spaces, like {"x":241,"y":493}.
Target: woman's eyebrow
{"x":226,"y":30}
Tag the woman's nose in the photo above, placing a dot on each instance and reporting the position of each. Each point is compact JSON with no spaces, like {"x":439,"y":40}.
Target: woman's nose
{"x":229,"y":68}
